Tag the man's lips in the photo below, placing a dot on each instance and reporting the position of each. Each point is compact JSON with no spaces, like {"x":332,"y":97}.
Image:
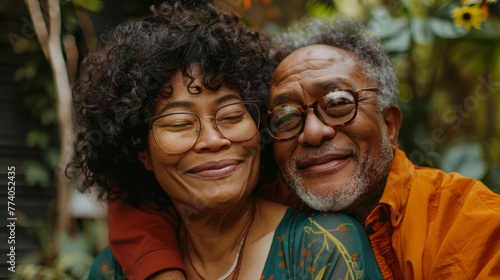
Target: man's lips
{"x":322,"y":163}
{"x":215,"y":169}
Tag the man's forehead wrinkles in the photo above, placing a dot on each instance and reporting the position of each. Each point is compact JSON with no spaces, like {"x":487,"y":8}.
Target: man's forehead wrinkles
{"x":294,"y":75}
{"x":302,"y":65}
{"x":287,"y":69}
{"x":309,"y":72}
{"x":285,"y":97}
{"x":281,"y":92}
{"x":301,"y":85}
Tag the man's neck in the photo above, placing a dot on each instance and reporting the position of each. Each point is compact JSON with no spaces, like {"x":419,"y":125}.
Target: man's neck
{"x":367,"y":202}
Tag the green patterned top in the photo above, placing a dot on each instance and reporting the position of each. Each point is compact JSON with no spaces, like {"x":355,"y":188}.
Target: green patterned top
{"x":316,"y":245}
{"x":306,"y":245}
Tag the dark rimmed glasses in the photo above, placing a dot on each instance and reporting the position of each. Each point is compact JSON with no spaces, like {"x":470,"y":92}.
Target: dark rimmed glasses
{"x":177,"y":133}
{"x":336,"y":108}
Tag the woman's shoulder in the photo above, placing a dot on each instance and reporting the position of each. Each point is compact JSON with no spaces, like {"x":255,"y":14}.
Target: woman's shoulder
{"x":326,"y":220}
{"x":311,"y":244}
{"x":271,"y":213}
{"x":303,"y":227}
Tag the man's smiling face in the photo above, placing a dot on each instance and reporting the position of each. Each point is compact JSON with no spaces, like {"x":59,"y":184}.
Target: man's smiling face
{"x":331,"y":168}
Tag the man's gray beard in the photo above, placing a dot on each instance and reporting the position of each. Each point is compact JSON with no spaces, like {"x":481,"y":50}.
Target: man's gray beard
{"x":341,"y":198}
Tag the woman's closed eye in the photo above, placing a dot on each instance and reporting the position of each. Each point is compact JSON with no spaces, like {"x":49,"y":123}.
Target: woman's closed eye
{"x":231,"y":118}
{"x":177,"y":125}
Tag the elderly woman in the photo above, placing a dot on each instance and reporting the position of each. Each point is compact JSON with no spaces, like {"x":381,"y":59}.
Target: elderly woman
{"x":168,"y":110}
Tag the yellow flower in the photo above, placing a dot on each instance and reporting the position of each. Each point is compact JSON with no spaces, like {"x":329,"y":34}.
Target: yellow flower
{"x":471,"y":2}
{"x":468,"y":16}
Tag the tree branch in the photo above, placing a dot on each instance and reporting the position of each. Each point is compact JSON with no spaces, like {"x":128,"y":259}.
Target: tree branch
{"x":39,"y":25}
{"x":50,"y":41}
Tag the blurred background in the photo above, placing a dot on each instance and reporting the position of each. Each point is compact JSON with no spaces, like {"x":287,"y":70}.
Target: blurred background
{"x":446,"y":55}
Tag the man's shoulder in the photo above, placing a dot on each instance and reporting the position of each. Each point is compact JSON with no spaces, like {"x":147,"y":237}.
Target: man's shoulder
{"x":460,"y":188}
{"x":410,"y":184}
{"x":421,"y":178}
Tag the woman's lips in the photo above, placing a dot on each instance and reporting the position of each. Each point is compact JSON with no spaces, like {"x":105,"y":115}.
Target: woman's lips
{"x":215,"y":169}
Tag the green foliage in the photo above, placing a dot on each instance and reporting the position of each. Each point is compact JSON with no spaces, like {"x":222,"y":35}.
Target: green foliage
{"x":36,"y":81}
{"x":39,"y":99}
{"x":36,"y":174}
{"x":71,"y":267}
{"x":465,"y":158}
{"x":492,"y":179}
{"x":449,"y":83}
{"x":25,"y":72}
{"x":321,"y":8}
{"x":38,"y":138}
{"x":90,"y":5}
{"x":71,"y":263}
{"x":36,"y":271}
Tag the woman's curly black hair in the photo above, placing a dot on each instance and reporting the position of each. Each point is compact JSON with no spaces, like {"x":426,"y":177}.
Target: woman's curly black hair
{"x":119,"y":82}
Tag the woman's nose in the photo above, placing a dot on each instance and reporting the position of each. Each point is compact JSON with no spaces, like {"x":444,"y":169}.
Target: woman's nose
{"x":210,"y":139}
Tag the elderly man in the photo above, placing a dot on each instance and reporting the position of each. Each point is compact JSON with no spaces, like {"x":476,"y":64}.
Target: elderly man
{"x":335,"y":125}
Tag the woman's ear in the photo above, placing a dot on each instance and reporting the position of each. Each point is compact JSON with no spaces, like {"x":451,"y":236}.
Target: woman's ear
{"x":145,"y":159}
{"x":393,"y":119}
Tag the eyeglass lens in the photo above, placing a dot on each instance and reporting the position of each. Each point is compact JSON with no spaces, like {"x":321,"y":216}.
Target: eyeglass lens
{"x":334,"y":108}
{"x":178,"y":132}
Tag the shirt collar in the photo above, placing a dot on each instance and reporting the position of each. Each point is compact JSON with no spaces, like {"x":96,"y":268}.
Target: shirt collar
{"x":397,"y":188}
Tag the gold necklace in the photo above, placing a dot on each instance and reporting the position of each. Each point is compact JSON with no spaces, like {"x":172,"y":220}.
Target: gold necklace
{"x":239,"y":256}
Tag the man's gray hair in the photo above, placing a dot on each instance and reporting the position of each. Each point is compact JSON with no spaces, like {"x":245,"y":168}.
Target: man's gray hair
{"x":351,"y":36}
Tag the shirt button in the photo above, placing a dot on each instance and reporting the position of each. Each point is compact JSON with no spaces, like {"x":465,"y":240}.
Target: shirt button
{"x":369,"y":229}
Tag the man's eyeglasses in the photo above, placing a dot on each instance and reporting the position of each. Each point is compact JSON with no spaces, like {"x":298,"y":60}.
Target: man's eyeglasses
{"x":335,"y":108}
{"x":177,"y":133}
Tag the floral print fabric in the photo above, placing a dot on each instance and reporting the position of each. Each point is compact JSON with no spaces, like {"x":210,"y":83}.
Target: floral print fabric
{"x":314,"y":245}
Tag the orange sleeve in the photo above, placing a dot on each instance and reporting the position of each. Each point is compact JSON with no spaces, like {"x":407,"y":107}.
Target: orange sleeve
{"x":143,"y":240}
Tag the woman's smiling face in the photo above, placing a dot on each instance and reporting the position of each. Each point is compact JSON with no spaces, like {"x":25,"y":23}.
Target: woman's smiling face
{"x":215,"y":172}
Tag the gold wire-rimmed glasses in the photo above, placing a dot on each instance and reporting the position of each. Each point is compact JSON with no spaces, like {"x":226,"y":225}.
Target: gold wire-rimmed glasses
{"x":176,"y":133}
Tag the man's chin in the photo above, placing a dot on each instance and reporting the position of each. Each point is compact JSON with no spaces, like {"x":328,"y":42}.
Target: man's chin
{"x":331,"y":192}
{"x":324,"y":184}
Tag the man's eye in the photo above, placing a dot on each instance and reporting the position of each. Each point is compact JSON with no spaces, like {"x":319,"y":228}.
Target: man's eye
{"x":287,"y":122}
{"x":337,"y":103}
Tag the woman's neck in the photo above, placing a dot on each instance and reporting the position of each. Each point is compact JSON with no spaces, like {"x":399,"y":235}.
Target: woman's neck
{"x":213,"y":240}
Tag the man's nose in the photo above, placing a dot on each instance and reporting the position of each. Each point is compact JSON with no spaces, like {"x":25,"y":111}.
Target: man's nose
{"x":315,"y":131}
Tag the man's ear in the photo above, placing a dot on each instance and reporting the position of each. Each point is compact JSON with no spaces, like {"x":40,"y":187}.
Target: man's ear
{"x":393,"y":119}
{"x":145,"y":158}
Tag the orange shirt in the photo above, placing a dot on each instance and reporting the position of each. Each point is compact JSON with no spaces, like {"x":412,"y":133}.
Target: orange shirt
{"x":428,"y":225}
{"x":443,"y":226}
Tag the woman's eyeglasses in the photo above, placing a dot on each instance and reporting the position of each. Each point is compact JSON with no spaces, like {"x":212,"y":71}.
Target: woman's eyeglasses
{"x":177,"y":133}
